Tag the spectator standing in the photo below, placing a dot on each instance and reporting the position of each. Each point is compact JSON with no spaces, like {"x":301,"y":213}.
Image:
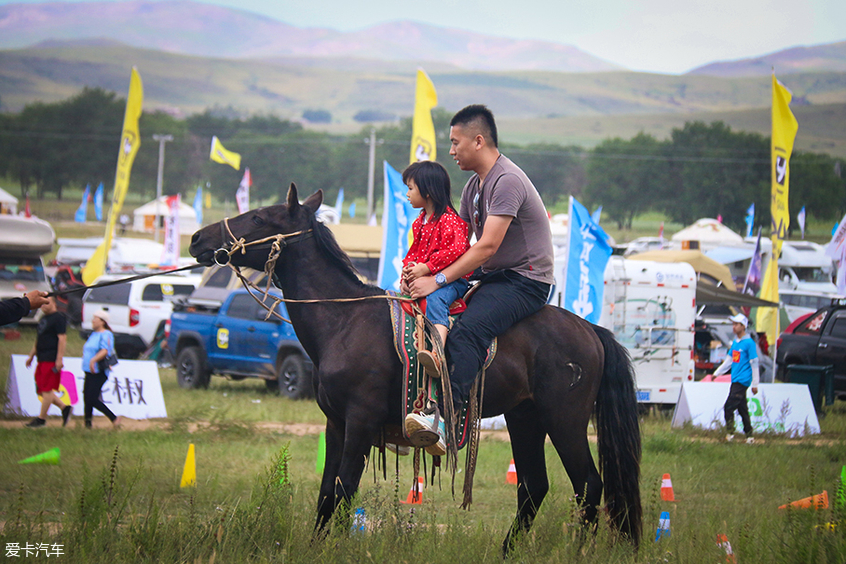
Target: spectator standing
{"x":49,"y":349}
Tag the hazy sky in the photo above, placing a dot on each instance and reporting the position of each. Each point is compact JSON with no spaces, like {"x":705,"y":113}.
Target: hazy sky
{"x":668,"y":36}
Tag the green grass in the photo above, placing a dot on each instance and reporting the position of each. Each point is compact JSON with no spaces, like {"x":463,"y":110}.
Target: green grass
{"x":130,"y":508}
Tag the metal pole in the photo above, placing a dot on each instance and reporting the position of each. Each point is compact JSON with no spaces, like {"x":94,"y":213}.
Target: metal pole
{"x":162,"y":139}
{"x":371,"y":164}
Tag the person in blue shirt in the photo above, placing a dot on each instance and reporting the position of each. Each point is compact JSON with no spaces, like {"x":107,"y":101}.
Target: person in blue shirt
{"x":743,"y":362}
{"x":100,"y":344}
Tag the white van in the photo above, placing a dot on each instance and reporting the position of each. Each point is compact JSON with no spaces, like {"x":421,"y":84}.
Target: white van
{"x":803,"y":265}
{"x":24,"y":240}
{"x":137,"y":310}
{"x":651,"y":309}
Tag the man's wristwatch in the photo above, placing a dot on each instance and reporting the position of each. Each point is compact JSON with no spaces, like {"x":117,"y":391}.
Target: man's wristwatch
{"x":441,"y":279}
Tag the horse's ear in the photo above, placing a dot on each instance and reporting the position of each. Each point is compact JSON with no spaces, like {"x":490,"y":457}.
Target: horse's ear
{"x":313,"y":202}
{"x":293,"y":199}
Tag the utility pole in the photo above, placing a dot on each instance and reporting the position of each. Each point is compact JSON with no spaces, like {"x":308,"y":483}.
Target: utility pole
{"x":162,"y":139}
{"x":371,"y":166}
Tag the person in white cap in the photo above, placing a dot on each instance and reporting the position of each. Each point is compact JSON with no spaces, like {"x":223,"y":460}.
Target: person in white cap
{"x":100,"y":344}
{"x":743,"y":362}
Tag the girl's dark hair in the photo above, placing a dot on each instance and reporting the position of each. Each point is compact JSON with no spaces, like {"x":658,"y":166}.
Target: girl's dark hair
{"x":432,"y":180}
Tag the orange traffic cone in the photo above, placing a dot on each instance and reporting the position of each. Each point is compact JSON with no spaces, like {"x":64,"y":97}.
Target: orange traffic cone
{"x":723,"y":542}
{"x":667,"y":489}
{"x":415,"y":494}
{"x":511,"y":475}
{"x":819,"y":501}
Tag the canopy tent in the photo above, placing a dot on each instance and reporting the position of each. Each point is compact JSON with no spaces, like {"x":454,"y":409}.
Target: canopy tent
{"x":709,"y":233}
{"x":145,"y":217}
{"x":8,"y":203}
{"x":716,"y":272}
{"x":718,"y":295}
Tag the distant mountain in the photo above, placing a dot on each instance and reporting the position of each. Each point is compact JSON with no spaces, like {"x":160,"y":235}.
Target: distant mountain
{"x":194,"y":28}
{"x":818,"y":58}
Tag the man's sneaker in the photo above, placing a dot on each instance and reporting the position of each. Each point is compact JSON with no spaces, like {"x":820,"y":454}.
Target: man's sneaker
{"x":35,"y":423}
{"x":423,"y":433}
{"x":66,"y":413}
{"x":729,"y":438}
{"x":750,"y":440}
{"x":430,"y":362}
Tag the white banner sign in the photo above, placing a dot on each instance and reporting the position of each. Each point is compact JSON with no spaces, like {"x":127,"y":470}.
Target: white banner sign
{"x":133,"y":389}
{"x":780,"y":408}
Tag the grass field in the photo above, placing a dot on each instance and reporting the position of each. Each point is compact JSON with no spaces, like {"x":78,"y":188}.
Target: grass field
{"x":116,"y":497}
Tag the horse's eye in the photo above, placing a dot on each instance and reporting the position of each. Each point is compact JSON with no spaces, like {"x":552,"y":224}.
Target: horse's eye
{"x":258,"y":221}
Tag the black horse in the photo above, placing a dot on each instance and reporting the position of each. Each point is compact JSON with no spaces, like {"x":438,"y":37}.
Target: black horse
{"x":551,"y":370}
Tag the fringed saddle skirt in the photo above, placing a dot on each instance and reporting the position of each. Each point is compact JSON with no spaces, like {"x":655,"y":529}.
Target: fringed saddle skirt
{"x":419,"y":390}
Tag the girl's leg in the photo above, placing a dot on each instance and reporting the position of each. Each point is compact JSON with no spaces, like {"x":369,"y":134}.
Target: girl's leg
{"x":97,"y":403}
{"x":89,"y":395}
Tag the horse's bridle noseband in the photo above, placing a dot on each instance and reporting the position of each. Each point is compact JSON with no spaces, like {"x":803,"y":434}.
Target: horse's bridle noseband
{"x":274,"y":244}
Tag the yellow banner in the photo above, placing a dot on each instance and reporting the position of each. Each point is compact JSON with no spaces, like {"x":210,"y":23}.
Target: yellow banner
{"x":220,"y":154}
{"x":130,"y":141}
{"x":784,"y":132}
{"x":767,"y":319}
{"x":423,"y":129}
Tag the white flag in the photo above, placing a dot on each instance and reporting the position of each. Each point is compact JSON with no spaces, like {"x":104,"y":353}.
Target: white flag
{"x":242,"y":195}
{"x":170,"y":253}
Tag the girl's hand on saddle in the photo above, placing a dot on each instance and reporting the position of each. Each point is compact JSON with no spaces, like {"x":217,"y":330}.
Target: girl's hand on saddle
{"x":422,"y":287}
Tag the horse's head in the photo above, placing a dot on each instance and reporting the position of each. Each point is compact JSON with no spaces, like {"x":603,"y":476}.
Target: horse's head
{"x":215,"y":242}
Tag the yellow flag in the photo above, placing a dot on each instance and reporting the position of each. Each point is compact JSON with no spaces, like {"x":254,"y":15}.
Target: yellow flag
{"x":130,"y":141}
{"x":219,"y":154}
{"x":208,"y":200}
{"x":784,"y":132}
{"x":423,"y":129}
{"x":767,"y":319}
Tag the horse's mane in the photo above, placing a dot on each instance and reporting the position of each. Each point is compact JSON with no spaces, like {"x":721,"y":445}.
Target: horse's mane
{"x":327,"y":243}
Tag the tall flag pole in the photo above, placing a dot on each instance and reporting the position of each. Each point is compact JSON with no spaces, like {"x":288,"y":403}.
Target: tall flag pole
{"x":784,"y":127}
{"x":130,"y":141}
{"x":423,"y":128}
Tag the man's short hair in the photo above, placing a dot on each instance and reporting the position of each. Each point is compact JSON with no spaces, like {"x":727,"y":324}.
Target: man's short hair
{"x":480,"y":117}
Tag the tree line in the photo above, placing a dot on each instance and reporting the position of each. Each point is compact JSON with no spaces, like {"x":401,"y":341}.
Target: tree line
{"x":702,"y":170}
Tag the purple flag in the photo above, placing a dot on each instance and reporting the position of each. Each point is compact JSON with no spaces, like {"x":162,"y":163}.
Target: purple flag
{"x":753,"y":278}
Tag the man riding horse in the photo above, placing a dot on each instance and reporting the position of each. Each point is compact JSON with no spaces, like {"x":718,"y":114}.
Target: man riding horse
{"x":513,"y":248}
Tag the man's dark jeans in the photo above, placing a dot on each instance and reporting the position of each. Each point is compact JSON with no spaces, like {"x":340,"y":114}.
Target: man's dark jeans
{"x":503,"y":299}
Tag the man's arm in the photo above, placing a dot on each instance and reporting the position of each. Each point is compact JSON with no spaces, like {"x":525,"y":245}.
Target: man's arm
{"x":724,"y":367}
{"x":495,"y":228}
{"x":60,"y":351}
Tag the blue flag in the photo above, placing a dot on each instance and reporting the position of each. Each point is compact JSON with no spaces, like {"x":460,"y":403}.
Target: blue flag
{"x":198,"y":205}
{"x":81,"y":215}
{"x":588,"y":254}
{"x":352,"y":209}
{"x":98,"y":202}
{"x":750,"y":219}
{"x":339,"y":204}
{"x":397,"y":217}
{"x":597,"y":213}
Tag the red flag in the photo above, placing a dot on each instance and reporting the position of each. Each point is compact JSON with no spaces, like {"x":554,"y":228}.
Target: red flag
{"x":27,"y":211}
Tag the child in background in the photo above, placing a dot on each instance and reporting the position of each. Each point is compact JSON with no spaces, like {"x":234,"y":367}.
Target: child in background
{"x":440,"y":237}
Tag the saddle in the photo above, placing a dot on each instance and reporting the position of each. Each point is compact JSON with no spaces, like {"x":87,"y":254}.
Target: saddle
{"x":419,"y":389}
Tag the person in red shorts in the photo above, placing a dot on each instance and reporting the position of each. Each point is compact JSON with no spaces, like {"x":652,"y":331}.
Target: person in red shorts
{"x":49,"y":349}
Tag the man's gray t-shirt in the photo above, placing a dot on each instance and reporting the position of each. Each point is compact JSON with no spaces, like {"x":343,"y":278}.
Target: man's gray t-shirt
{"x":527,"y":245}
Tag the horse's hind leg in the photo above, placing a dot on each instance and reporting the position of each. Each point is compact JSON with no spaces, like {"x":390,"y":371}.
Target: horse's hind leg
{"x":527,"y":447}
{"x":571,"y":443}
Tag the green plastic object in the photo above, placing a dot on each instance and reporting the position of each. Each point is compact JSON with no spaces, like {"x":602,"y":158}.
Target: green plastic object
{"x":819,"y":379}
{"x":321,"y":452}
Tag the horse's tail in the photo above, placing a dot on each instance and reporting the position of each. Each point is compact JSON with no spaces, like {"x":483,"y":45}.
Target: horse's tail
{"x":618,"y":437}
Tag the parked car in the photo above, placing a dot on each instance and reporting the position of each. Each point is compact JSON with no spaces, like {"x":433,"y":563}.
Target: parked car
{"x":237,"y":340}
{"x":819,"y":339}
{"x":137,"y":310}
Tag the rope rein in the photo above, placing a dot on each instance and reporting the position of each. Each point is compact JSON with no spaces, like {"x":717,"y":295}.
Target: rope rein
{"x":276,"y":244}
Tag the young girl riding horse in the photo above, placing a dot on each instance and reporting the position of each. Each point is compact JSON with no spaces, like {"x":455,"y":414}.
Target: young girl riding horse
{"x":440,"y":237}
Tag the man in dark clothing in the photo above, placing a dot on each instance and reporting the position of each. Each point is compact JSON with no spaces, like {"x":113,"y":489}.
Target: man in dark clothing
{"x":13,"y":309}
{"x":49,"y":348}
{"x":513,"y":250}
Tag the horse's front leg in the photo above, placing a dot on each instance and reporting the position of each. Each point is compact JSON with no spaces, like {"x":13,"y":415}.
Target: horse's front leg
{"x":334,"y":450}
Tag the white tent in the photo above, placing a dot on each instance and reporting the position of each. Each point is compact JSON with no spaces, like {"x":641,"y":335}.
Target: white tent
{"x":710,"y":233}
{"x":8,"y":203}
{"x":144,"y":217}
